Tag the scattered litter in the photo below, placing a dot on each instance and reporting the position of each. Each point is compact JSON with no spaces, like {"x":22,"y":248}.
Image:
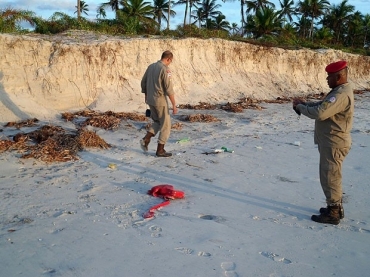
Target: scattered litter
{"x":297,"y":143}
{"x":165,"y":191}
{"x":183,"y":140}
{"x":225,"y":149}
{"x":112,"y":166}
{"x":259,"y":147}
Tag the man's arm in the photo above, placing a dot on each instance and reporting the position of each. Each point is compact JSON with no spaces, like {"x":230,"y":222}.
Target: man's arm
{"x":173,"y":102}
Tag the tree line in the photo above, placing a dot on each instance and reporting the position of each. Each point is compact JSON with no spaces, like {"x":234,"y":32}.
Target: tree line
{"x":305,"y":23}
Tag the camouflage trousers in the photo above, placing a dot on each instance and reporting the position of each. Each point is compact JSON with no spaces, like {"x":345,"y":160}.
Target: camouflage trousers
{"x":331,"y":160}
{"x":161,"y":123}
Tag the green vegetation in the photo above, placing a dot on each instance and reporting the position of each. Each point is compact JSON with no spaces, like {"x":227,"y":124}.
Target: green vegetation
{"x":307,"y":23}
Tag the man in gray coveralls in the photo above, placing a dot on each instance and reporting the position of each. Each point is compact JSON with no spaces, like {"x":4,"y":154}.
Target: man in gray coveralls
{"x":333,"y":123}
{"x":156,"y":84}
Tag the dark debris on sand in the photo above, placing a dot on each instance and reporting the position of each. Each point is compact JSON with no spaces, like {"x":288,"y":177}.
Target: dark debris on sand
{"x":49,"y":143}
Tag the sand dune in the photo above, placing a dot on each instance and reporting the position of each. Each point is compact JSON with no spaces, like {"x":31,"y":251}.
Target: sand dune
{"x":40,"y":76}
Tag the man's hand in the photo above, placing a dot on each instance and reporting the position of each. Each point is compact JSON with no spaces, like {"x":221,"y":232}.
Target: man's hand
{"x":174,"y":110}
{"x":296,"y":110}
{"x":297,"y":101}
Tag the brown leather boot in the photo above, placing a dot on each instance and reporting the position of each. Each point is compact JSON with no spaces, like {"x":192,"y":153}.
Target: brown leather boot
{"x":145,"y":141}
{"x":161,"y":152}
{"x":341,"y":211}
{"x":331,"y":215}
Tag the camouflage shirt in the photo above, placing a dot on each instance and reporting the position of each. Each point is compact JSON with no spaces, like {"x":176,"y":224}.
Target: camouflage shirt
{"x":157,"y":84}
{"x":333,"y":117}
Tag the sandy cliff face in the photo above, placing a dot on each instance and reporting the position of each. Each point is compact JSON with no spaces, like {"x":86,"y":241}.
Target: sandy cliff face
{"x":42,"y":76}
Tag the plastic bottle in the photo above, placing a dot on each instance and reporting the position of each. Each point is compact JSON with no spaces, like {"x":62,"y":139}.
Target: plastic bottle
{"x":225,"y":149}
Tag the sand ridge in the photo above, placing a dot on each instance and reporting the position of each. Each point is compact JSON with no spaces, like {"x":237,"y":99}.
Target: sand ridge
{"x":41,"y":76}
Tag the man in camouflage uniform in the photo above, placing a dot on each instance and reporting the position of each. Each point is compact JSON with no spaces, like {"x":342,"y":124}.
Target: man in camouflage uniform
{"x":156,"y":84}
{"x":333,"y":123}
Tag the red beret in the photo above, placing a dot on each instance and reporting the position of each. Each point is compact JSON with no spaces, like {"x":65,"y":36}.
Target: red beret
{"x":335,"y":67}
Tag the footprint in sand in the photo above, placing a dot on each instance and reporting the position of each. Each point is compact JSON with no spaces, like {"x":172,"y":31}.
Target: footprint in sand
{"x":204,"y":254}
{"x":229,"y":268}
{"x":275,"y":257}
{"x":215,"y":218}
{"x":156,"y":231}
{"x":184,"y":250}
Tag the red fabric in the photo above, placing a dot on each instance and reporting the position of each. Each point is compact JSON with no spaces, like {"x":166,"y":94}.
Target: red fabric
{"x":335,"y":67}
{"x":163,"y":191}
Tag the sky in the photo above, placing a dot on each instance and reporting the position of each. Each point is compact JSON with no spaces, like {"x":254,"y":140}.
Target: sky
{"x":230,"y":9}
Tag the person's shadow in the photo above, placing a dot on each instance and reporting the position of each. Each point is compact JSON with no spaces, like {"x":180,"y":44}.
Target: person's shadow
{"x":8,"y":103}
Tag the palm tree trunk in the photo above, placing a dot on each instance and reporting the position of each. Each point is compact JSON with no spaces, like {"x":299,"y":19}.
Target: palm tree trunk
{"x":186,"y":11}
{"x":242,"y":14}
{"x":169,"y":15}
{"x":78,"y":9}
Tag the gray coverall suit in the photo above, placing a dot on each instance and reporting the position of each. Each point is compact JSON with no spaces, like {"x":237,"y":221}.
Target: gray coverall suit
{"x":157,"y":85}
{"x":333,"y":123}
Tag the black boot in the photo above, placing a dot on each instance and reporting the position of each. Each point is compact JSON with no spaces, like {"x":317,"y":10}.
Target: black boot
{"x":341,"y":211}
{"x":331,"y":216}
{"x":145,"y":141}
{"x":161,"y":152}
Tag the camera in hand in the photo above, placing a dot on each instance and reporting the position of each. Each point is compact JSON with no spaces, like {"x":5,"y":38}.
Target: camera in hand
{"x":147,"y":113}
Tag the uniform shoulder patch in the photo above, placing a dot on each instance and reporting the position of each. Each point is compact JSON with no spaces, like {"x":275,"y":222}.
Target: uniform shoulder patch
{"x":332,"y":99}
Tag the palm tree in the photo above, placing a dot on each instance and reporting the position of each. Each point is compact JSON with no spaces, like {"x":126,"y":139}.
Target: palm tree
{"x":209,"y":8}
{"x":313,"y":9}
{"x":160,"y":9}
{"x":139,"y":9}
{"x":83,"y":8}
{"x":303,"y":8}
{"x":78,"y":9}
{"x":198,"y":16}
{"x":189,"y":5}
{"x":254,"y":5}
{"x":219,"y":23}
{"x":338,"y":17}
{"x":11,"y":18}
{"x":113,"y":4}
{"x":288,"y":31}
{"x":366,"y":24}
{"x":324,"y":35}
{"x":302,"y":26}
{"x":242,"y":4}
{"x":355,"y":29}
{"x":265,"y":22}
{"x":192,"y":4}
{"x":234,"y":28}
{"x":182,"y":2}
{"x":318,"y":8}
{"x":287,"y":10}
{"x":100,"y":12}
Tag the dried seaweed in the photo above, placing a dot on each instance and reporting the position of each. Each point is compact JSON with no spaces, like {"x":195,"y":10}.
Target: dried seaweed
{"x":8,"y":145}
{"x":91,"y":139}
{"x":106,"y":120}
{"x":176,"y":126}
{"x":52,"y":149}
{"x":45,"y":132}
{"x":24,"y":123}
{"x":200,"y":106}
{"x":244,"y":103}
{"x":361,"y":91}
{"x":205,"y":118}
{"x":52,"y":143}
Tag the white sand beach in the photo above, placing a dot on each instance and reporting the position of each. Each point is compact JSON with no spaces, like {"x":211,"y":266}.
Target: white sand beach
{"x":245,"y":213}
